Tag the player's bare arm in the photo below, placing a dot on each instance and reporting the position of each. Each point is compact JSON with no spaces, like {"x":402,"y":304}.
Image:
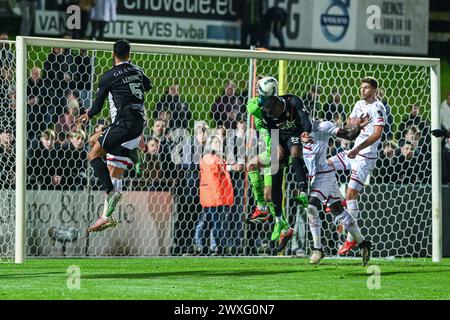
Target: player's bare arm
{"x":378,"y":131}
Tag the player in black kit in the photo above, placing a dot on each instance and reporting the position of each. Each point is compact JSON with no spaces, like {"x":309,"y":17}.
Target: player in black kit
{"x":124,"y":85}
{"x":289,"y":116}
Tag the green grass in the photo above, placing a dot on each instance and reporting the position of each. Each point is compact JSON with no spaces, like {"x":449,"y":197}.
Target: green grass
{"x":224,"y":278}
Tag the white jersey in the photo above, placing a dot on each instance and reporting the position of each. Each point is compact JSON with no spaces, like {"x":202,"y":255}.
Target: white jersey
{"x":315,"y":153}
{"x":377,"y":112}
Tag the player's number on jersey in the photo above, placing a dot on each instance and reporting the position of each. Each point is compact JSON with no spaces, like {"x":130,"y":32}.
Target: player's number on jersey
{"x":136,"y":90}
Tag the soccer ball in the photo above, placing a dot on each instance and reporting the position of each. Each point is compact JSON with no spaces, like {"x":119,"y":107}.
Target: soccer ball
{"x":267,"y":86}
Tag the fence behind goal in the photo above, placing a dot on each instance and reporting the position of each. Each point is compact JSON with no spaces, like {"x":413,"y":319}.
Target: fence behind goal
{"x":195,"y":93}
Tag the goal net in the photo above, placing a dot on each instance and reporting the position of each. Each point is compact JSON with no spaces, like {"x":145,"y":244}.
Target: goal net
{"x":7,"y":150}
{"x":199,"y":93}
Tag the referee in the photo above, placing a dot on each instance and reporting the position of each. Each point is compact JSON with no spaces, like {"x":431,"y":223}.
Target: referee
{"x":124,"y":85}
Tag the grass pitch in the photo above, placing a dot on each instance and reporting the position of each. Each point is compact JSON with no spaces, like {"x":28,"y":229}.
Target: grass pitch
{"x":224,"y":278}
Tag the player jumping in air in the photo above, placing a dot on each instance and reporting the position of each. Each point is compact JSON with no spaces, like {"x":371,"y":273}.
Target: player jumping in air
{"x":125,"y":84}
{"x":116,"y":167}
{"x":363,"y":157}
{"x":324,"y":187}
{"x":261,"y":187}
{"x":287,"y":117}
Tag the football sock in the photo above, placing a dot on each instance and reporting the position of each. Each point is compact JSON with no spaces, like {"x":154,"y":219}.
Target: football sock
{"x":257,"y":185}
{"x":315,"y":225}
{"x":353,"y":209}
{"x":271,"y":208}
{"x":300,"y":174}
{"x":350,"y":225}
{"x":118,"y":184}
{"x":277,"y":194}
{"x":105,"y":207}
{"x":102,"y":173}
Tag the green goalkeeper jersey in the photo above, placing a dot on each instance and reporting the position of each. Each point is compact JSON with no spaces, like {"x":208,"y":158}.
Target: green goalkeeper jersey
{"x":254,"y":109}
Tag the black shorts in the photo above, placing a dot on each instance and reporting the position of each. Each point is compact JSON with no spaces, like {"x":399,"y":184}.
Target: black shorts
{"x":120,"y":132}
{"x":288,"y":140}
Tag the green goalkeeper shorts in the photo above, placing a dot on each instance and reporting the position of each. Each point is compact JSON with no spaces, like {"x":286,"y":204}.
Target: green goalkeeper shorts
{"x":264,"y":159}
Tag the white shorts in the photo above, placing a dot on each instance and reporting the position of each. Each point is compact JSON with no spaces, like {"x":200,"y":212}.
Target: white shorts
{"x":324,"y":187}
{"x":361,"y":168}
{"x":123,"y":162}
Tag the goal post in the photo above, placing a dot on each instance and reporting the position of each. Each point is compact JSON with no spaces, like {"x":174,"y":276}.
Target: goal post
{"x":21,"y":145}
{"x":411,"y":228}
{"x":436,"y":163}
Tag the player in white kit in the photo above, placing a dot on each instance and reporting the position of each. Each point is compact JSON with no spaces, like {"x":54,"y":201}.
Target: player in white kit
{"x":363,"y":157}
{"x":324,"y":187}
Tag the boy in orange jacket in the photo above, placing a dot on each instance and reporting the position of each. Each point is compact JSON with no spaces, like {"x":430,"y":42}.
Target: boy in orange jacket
{"x":216,"y":195}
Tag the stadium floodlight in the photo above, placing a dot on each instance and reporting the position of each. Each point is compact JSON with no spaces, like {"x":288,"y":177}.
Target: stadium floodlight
{"x":404,"y":219}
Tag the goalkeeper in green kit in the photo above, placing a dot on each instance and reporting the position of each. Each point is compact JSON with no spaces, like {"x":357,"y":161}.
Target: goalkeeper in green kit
{"x":287,"y":115}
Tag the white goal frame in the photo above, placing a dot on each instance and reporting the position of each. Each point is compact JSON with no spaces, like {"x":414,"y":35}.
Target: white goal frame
{"x":22,"y":44}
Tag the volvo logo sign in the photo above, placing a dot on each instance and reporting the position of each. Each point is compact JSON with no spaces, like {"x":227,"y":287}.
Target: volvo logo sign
{"x":335,"y":20}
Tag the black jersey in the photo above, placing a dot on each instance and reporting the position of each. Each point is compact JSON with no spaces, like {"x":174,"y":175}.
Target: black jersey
{"x":293,"y":121}
{"x":125,"y":84}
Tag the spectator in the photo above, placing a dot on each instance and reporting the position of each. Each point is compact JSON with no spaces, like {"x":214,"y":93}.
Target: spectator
{"x":407,"y":168}
{"x":83,"y":78}
{"x":189,"y":205}
{"x":8,"y":111}
{"x":232,"y":225}
{"x":216,"y":197}
{"x":179,"y":113}
{"x":251,"y":20}
{"x":7,"y":88}
{"x":28,"y":11}
{"x":152,"y":172}
{"x":312,"y":99}
{"x":59,"y":69}
{"x":446,"y":162}
{"x":7,"y":158}
{"x":333,"y":107}
{"x":229,"y":108}
{"x":86,"y":8}
{"x":384,"y":170}
{"x":39,"y":117}
{"x":445,"y":113}
{"x":7,"y":58}
{"x":275,"y":20}
{"x":412,"y":135}
{"x":43,"y":163}
{"x":421,"y":144}
{"x":36,"y":87}
{"x":413,"y":119}
{"x":387,"y":131}
{"x":159,"y":171}
{"x":74,"y":95}
{"x":103,"y":12}
{"x":73,"y":163}
{"x":159,"y":131}
{"x":66,"y":122}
